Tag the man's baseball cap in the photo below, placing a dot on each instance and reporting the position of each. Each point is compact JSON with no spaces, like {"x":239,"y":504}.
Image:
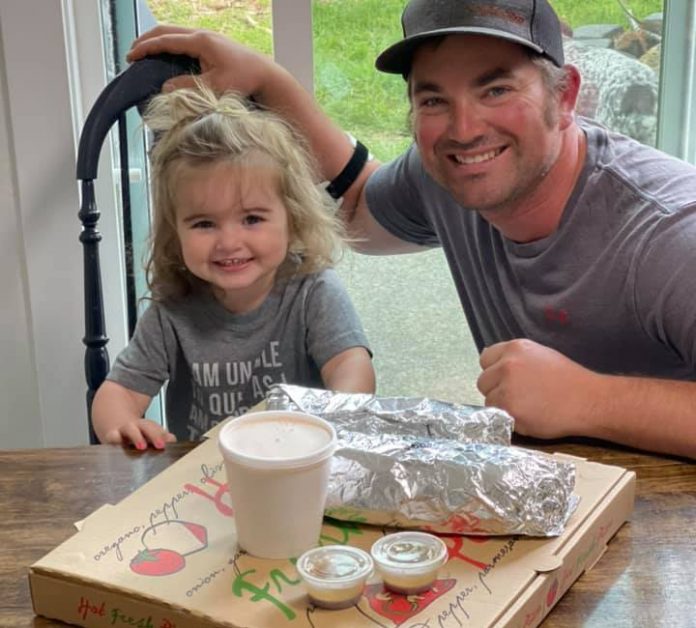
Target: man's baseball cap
{"x":531,"y":23}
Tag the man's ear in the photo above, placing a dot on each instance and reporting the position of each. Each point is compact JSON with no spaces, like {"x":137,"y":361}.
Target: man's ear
{"x":569,"y":95}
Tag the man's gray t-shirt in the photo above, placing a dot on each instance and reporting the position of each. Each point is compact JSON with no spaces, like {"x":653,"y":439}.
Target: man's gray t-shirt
{"x":613,"y":288}
{"x":219,"y":364}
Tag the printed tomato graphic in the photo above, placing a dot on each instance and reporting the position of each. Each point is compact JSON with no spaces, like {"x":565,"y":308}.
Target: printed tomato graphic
{"x":157,"y":562}
{"x":551,"y":594}
{"x":457,"y":524}
{"x":165,"y":546}
{"x":184,"y":537}
{"x":400,"y":608}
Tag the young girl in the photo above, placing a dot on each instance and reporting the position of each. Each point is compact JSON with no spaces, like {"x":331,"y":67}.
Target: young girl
{"x":242,"y":293}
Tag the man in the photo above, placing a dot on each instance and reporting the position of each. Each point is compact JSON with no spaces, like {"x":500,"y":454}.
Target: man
{"x":569,"y":245}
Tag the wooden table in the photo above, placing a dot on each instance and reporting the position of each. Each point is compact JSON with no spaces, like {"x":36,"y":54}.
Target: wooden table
{"x":646,"y":578}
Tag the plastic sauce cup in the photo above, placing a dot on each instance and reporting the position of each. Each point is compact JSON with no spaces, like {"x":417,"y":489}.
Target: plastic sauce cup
{"x":409,"y":561}
{"x":335,"y":575}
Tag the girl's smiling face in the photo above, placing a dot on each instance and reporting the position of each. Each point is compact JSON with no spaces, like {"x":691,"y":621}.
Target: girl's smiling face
{"x":232,"y":226}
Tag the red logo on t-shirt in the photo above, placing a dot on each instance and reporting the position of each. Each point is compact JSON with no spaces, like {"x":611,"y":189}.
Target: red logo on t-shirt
{"x":553,"y":315}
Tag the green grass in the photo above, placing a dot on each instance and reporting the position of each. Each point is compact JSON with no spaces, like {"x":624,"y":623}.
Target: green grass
{"x":247,"y":21}
{"x":349,"y":35}
{"x":369,"y":104}
{"x":577,"y":12}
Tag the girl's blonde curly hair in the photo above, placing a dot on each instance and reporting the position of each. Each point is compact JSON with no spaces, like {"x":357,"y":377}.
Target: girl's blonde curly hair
{"x":194,"y":127}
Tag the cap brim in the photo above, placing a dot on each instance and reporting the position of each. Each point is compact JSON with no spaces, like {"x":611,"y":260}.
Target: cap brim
{"x":397,"y":58}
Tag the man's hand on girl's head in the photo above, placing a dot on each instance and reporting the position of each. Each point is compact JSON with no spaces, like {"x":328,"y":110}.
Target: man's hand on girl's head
{"x":225,"y":64}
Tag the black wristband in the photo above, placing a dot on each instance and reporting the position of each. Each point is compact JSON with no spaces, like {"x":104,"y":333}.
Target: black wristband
{"x":337,"y":188}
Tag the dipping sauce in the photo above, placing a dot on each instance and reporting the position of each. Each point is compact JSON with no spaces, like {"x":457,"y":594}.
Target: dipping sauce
{"x":408,"y":561}
{"x":335,"y":575}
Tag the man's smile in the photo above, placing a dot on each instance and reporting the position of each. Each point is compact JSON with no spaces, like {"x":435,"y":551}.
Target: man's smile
{"x":467,"y":160}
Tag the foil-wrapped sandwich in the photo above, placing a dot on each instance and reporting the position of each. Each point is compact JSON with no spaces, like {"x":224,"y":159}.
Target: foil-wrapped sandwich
{"x":442,"y":467}
{"x":415,"y":416}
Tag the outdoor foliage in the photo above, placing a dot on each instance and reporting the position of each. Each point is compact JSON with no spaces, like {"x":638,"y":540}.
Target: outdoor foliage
{"x":407,"y":303}
{"x":348,"y":36}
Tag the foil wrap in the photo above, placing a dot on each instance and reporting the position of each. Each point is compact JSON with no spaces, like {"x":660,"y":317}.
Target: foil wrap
{"x":440,"y":467}
{"x":415,"y":416}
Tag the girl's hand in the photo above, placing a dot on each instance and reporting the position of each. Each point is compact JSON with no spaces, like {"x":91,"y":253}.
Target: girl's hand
{"x":140,"y":433}
{"x":117,"y":418}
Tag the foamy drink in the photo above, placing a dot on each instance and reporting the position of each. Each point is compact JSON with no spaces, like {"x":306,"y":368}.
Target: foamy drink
{"x":278,"y":466}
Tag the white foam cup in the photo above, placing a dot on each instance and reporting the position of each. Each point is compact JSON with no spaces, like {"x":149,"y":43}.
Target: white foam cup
{"x":278,"y":465}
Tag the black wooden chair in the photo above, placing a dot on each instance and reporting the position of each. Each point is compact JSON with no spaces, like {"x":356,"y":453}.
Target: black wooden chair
{"x":132,"y":87}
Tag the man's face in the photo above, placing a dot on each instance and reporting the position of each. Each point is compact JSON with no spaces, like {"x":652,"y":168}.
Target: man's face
{"x":486,"y":126}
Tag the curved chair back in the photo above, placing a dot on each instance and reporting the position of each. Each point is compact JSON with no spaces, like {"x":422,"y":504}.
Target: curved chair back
{"x":134,"y":86}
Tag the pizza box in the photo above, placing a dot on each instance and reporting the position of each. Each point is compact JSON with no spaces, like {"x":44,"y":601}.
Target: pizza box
{"x":166,"y":557}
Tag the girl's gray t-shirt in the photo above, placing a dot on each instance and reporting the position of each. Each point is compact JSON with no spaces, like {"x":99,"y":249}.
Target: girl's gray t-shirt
{"x":218,"y":364}
{"x":613,"y":288}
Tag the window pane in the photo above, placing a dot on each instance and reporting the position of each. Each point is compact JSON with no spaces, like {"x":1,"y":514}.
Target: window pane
{"x":408,"y":303}
{"x":616,"y":46}
{"x":247,"y":21}
{"x":676,"y":132}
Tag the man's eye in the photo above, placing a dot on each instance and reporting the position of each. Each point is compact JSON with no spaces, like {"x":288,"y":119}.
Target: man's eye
{"x":433,"y":101}
{"x":497,"y":91}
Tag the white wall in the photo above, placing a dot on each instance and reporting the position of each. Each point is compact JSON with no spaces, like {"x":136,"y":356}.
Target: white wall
{"x":18,"y":383}
{"x":42,"y":390}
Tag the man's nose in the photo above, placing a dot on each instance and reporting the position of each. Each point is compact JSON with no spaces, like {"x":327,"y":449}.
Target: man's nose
{"x":466,"y":123}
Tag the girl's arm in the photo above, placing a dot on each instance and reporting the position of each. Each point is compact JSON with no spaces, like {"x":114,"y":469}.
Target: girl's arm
{"x":349,"y":371}
{"x":117,"y":418}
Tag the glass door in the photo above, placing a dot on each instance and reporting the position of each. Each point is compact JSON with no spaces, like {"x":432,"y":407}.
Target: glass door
{"x":637,"y":60}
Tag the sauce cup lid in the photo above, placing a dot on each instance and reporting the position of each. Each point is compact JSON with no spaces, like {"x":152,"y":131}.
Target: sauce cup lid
{"x":335,"y":566}
{"x":409,"y":552}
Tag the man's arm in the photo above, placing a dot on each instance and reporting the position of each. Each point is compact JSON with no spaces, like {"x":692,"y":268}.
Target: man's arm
{"x":550,"y":396}
{"x":227,"y":65}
